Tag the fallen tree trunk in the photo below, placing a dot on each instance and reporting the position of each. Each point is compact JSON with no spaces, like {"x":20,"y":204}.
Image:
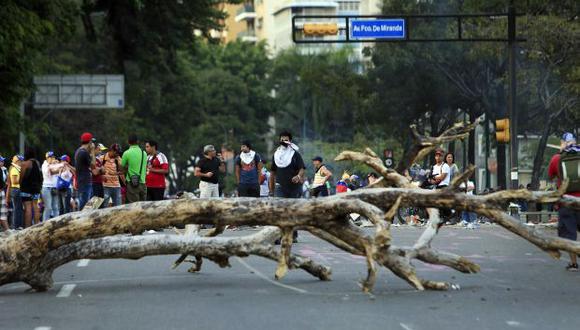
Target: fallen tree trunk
{"x":217,"y":249}
{"x":32,"y":254}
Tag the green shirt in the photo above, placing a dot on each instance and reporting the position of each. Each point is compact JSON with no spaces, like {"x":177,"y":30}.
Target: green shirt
{"x":136,"y":160}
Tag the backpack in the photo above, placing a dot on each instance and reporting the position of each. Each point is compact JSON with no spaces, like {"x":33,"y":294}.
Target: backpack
{"x":570,"y":169}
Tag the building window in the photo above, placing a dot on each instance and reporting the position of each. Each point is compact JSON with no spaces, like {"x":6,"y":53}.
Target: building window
{"x":348,"y":6}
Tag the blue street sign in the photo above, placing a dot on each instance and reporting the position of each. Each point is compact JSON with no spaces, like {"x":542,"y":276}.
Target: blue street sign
{"x":377,"y":29}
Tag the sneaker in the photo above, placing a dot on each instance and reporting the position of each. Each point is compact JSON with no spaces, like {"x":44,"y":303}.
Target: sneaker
{"x":572,"y":267}
{"x":472,"y":226}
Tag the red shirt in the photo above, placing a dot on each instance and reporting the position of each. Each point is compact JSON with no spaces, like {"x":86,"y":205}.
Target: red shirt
{"x":156,"y":180}
{"x":98,"y":163}
{"x":554,"y":171}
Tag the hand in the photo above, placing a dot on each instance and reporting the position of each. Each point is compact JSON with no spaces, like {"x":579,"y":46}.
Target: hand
{"x":209,"y":174}
{"x":296,"y":179}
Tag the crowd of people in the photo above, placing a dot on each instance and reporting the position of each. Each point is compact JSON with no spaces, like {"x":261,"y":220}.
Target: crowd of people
{"x":31,"y":191}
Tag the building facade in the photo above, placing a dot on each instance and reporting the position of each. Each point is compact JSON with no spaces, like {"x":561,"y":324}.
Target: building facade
{"x":271,"y":21}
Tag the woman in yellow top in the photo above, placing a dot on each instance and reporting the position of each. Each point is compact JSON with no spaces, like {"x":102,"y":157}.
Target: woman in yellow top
{"x":13,"y":192}
{"x":321,"y":176}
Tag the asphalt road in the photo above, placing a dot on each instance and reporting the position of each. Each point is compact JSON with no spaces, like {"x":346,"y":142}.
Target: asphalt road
{"x":519,"y":287}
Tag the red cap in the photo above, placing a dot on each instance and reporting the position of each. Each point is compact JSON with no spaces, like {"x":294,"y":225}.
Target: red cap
{"x":439,"y":151}
{"x":86,"y":137}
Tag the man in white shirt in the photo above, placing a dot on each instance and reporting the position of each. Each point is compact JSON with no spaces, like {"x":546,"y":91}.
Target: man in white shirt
{"x":50,"y":170}
{"x":440,"y":171}
{"x":468,"y":219}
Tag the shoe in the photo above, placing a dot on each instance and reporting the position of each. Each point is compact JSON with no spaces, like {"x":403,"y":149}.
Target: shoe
{"x":572,"y":267}
{"x":295,"y":240}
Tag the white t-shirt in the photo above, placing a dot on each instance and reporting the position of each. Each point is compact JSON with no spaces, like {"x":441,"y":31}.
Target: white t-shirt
{"x":264,"y":187}
{"x":443,"y":168}
{"x":49,"y":180}
{"x":470,"y":186}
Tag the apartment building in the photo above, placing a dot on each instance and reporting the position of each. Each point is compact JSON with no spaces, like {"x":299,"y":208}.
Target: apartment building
{"x":271,"y":20}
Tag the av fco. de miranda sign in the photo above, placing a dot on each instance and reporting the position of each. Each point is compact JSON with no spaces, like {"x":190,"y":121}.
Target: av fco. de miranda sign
{"x":377,"y":29}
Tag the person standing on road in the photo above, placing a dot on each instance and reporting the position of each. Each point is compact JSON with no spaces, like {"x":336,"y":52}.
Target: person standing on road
{"x":157,"y":169}
{"x":468,"y":219}
{"x":287,"y":170}
{"x":321,"y":176}
{"x":84,"y":161}
{"x":265,"y":181}
{"x":207,"y":169}
{"x":97,"y":171}
{"x":112,"y":176}
{"x":66,"y":178}
{"x":13,"y":192}
{"x":248,"y":171}
{"x":564,"y":166}
{"x":30,"y":187}
{"x":134,"y":162}
{"x":50,"y":170}
{"x":3,"y":204}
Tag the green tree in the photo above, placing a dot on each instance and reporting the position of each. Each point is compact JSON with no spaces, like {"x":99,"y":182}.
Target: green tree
{"x":27,"y":28}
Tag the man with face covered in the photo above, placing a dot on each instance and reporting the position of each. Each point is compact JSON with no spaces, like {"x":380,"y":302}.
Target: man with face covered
{"x":248,"y":171}
{"x":287,"y":170}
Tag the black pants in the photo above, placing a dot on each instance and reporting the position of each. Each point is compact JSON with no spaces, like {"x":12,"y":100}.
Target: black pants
{"x":98,"y":190}
{"x":290,"y":191}
{"x":320,"y":191}
{"x":155,"y":194}
{"x":249,"y":190}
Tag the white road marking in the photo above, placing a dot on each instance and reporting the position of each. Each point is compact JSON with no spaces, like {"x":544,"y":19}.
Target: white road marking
{"x":83,"y":262}
{"x":406,"y":327}
{"x":66,"y":290}
{"x":43,"y":328}
{"x":266,"y":278}
{"x":514,"y":323}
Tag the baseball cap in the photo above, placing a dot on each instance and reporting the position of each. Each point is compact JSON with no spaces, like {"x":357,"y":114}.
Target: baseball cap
{"x":20,"y":157}
{"x":2,"y":159}
{"x":65,"y":158}
{"x":101,"y":147}
{"x":568,"y":137}
{"x":49,"y":154}
{"x":317,"y":158}
{"x":439,"y":151}
{"x":86,"y":137}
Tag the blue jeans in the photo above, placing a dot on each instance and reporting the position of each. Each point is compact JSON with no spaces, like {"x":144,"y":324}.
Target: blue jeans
{"x":468,"y":217}
{"x":85,"y":193}
{"x":114,"y":193}
{"x":64,"y":197}
{"x":17,"y":213}
{"x":50,"y":199}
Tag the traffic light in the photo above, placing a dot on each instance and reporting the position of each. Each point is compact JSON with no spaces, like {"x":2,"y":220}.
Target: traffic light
{"x":320,"y":29}
{"x":388,"y":155}
{"x":502,"y":130}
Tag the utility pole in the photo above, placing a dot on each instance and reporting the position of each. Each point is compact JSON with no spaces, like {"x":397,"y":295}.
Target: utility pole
{"x":21,"y":136}
{"x":512,"y":98}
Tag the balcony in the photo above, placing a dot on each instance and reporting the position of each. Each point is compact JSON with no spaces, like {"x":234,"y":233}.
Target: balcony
{"x":248,"y":36}
{"x":246,"y":12}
